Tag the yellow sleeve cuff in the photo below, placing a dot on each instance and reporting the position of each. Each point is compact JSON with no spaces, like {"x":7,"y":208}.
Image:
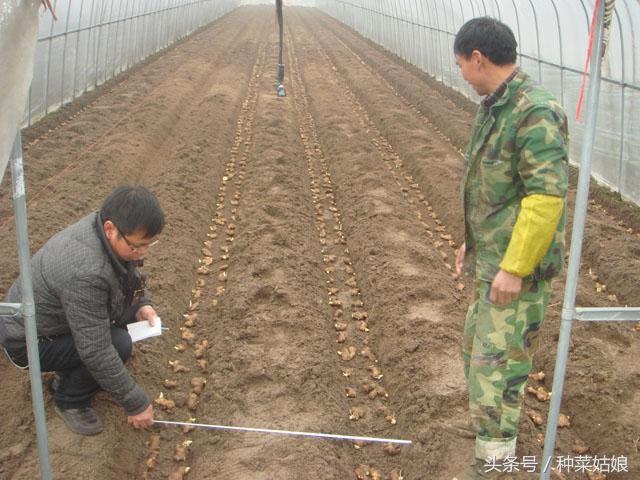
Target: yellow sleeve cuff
{"x":532,"y":234}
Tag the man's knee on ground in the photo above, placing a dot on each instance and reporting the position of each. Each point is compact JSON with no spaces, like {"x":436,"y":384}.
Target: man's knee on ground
{"x":122,"y":342}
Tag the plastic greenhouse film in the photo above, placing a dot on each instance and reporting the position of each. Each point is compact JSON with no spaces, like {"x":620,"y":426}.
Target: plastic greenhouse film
{"x":18,"y":36}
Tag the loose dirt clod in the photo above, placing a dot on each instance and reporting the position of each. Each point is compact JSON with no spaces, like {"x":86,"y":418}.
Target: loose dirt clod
{"x":350,"y":392}
{"x":367,"y":353}
{"x":596,"y":476}
{"x":579,"y":447}
{"x":391,"y":449}
{"x":154,"y":443}
{"x":396,"y":475}
{"x":179,"y":474}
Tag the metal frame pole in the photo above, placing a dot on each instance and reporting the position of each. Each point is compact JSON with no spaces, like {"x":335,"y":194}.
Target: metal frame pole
{"x":561,"y":48}
{"x":582,"y":196}
{"x":622,"y":108}
{"x":64,"y":57}
{"x":28,"y":306}
{"x":46,"y":82}
{"x":535,"y":22}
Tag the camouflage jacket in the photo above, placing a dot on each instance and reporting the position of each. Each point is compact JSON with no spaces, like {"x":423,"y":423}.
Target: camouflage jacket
{"x":518,"y":147}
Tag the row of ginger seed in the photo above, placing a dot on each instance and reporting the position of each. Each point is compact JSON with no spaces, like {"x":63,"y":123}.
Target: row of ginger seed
{"x":372,"y":388}
{"x":395,"y":166}
{"x":394,"y":162}
{"x":205,"y":270}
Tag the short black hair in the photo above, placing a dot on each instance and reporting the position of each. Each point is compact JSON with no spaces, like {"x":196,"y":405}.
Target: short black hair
{"x":133,"y":208}
{"x":489,"y":36}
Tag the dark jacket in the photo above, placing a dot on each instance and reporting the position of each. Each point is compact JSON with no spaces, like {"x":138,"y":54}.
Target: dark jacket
{"x":81,"y":288}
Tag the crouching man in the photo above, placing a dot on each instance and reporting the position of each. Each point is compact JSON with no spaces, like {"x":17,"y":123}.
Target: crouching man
{"x":514,"y":192}
{"x":86,"y":290}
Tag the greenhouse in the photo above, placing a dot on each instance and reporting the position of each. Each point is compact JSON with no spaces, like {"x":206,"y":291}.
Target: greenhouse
{"x":303,"y":170}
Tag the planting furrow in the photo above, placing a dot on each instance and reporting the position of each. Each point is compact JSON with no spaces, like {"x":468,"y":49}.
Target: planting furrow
{"x":187,"y":197}
{"x":398,"y":118}
{"x":405,"y":280}
{"x":454,"y":128}
{"x":189,"y":370}
{"x":360,"y":367}
{"x":269,"y":355}
{"x":397,"y":123}
{"x":398,"y":75}
{"x":411,"y":191}
{"x":135,"y":129}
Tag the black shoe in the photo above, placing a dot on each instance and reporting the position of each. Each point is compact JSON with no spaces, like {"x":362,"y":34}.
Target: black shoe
{"x":84,"y":421}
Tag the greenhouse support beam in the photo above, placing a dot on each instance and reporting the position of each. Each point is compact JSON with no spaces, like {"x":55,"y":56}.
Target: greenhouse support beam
{"x":577,"y":234}
{"x":27,"y":307}
{"x":606,"y":314}
{"x":10,"y":309}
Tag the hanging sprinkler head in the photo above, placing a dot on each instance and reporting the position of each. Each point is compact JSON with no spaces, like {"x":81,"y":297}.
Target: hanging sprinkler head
{"x":280,"y":87}
{"x":280,"y":76}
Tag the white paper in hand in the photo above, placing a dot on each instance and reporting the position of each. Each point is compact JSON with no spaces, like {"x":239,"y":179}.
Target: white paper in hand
{"x":141,"y":330}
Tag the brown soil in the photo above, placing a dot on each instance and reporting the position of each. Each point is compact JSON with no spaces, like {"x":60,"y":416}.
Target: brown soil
{"x":339,"y":199}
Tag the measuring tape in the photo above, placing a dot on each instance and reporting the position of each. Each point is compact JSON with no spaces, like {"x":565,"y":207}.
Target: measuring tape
{"x":285,"y":432}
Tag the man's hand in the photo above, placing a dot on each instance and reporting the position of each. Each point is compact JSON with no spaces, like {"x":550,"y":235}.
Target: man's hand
{"x":143,"y":419}
{"x":505,"y":287}
{"x":147,"y":313}
{"x":460,"y":258}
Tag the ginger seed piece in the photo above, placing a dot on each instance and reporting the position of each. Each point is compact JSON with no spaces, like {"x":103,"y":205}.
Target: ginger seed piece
{"x":356,"y":413}
{"x":192,"y":401}
{"x":198,"y":384}
{"x":347,"y":353}
{"x":169,"y":383}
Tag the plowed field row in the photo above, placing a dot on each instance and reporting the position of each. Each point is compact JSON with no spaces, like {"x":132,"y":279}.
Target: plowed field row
{"x":306,"y":270}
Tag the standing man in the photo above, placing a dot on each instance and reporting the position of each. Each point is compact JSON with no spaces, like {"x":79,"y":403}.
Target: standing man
{"x":86,"y":290}
{"x":514,"y":192}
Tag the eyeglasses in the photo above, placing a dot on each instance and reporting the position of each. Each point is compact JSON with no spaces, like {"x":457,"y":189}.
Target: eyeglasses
{"x":133,"y":246}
